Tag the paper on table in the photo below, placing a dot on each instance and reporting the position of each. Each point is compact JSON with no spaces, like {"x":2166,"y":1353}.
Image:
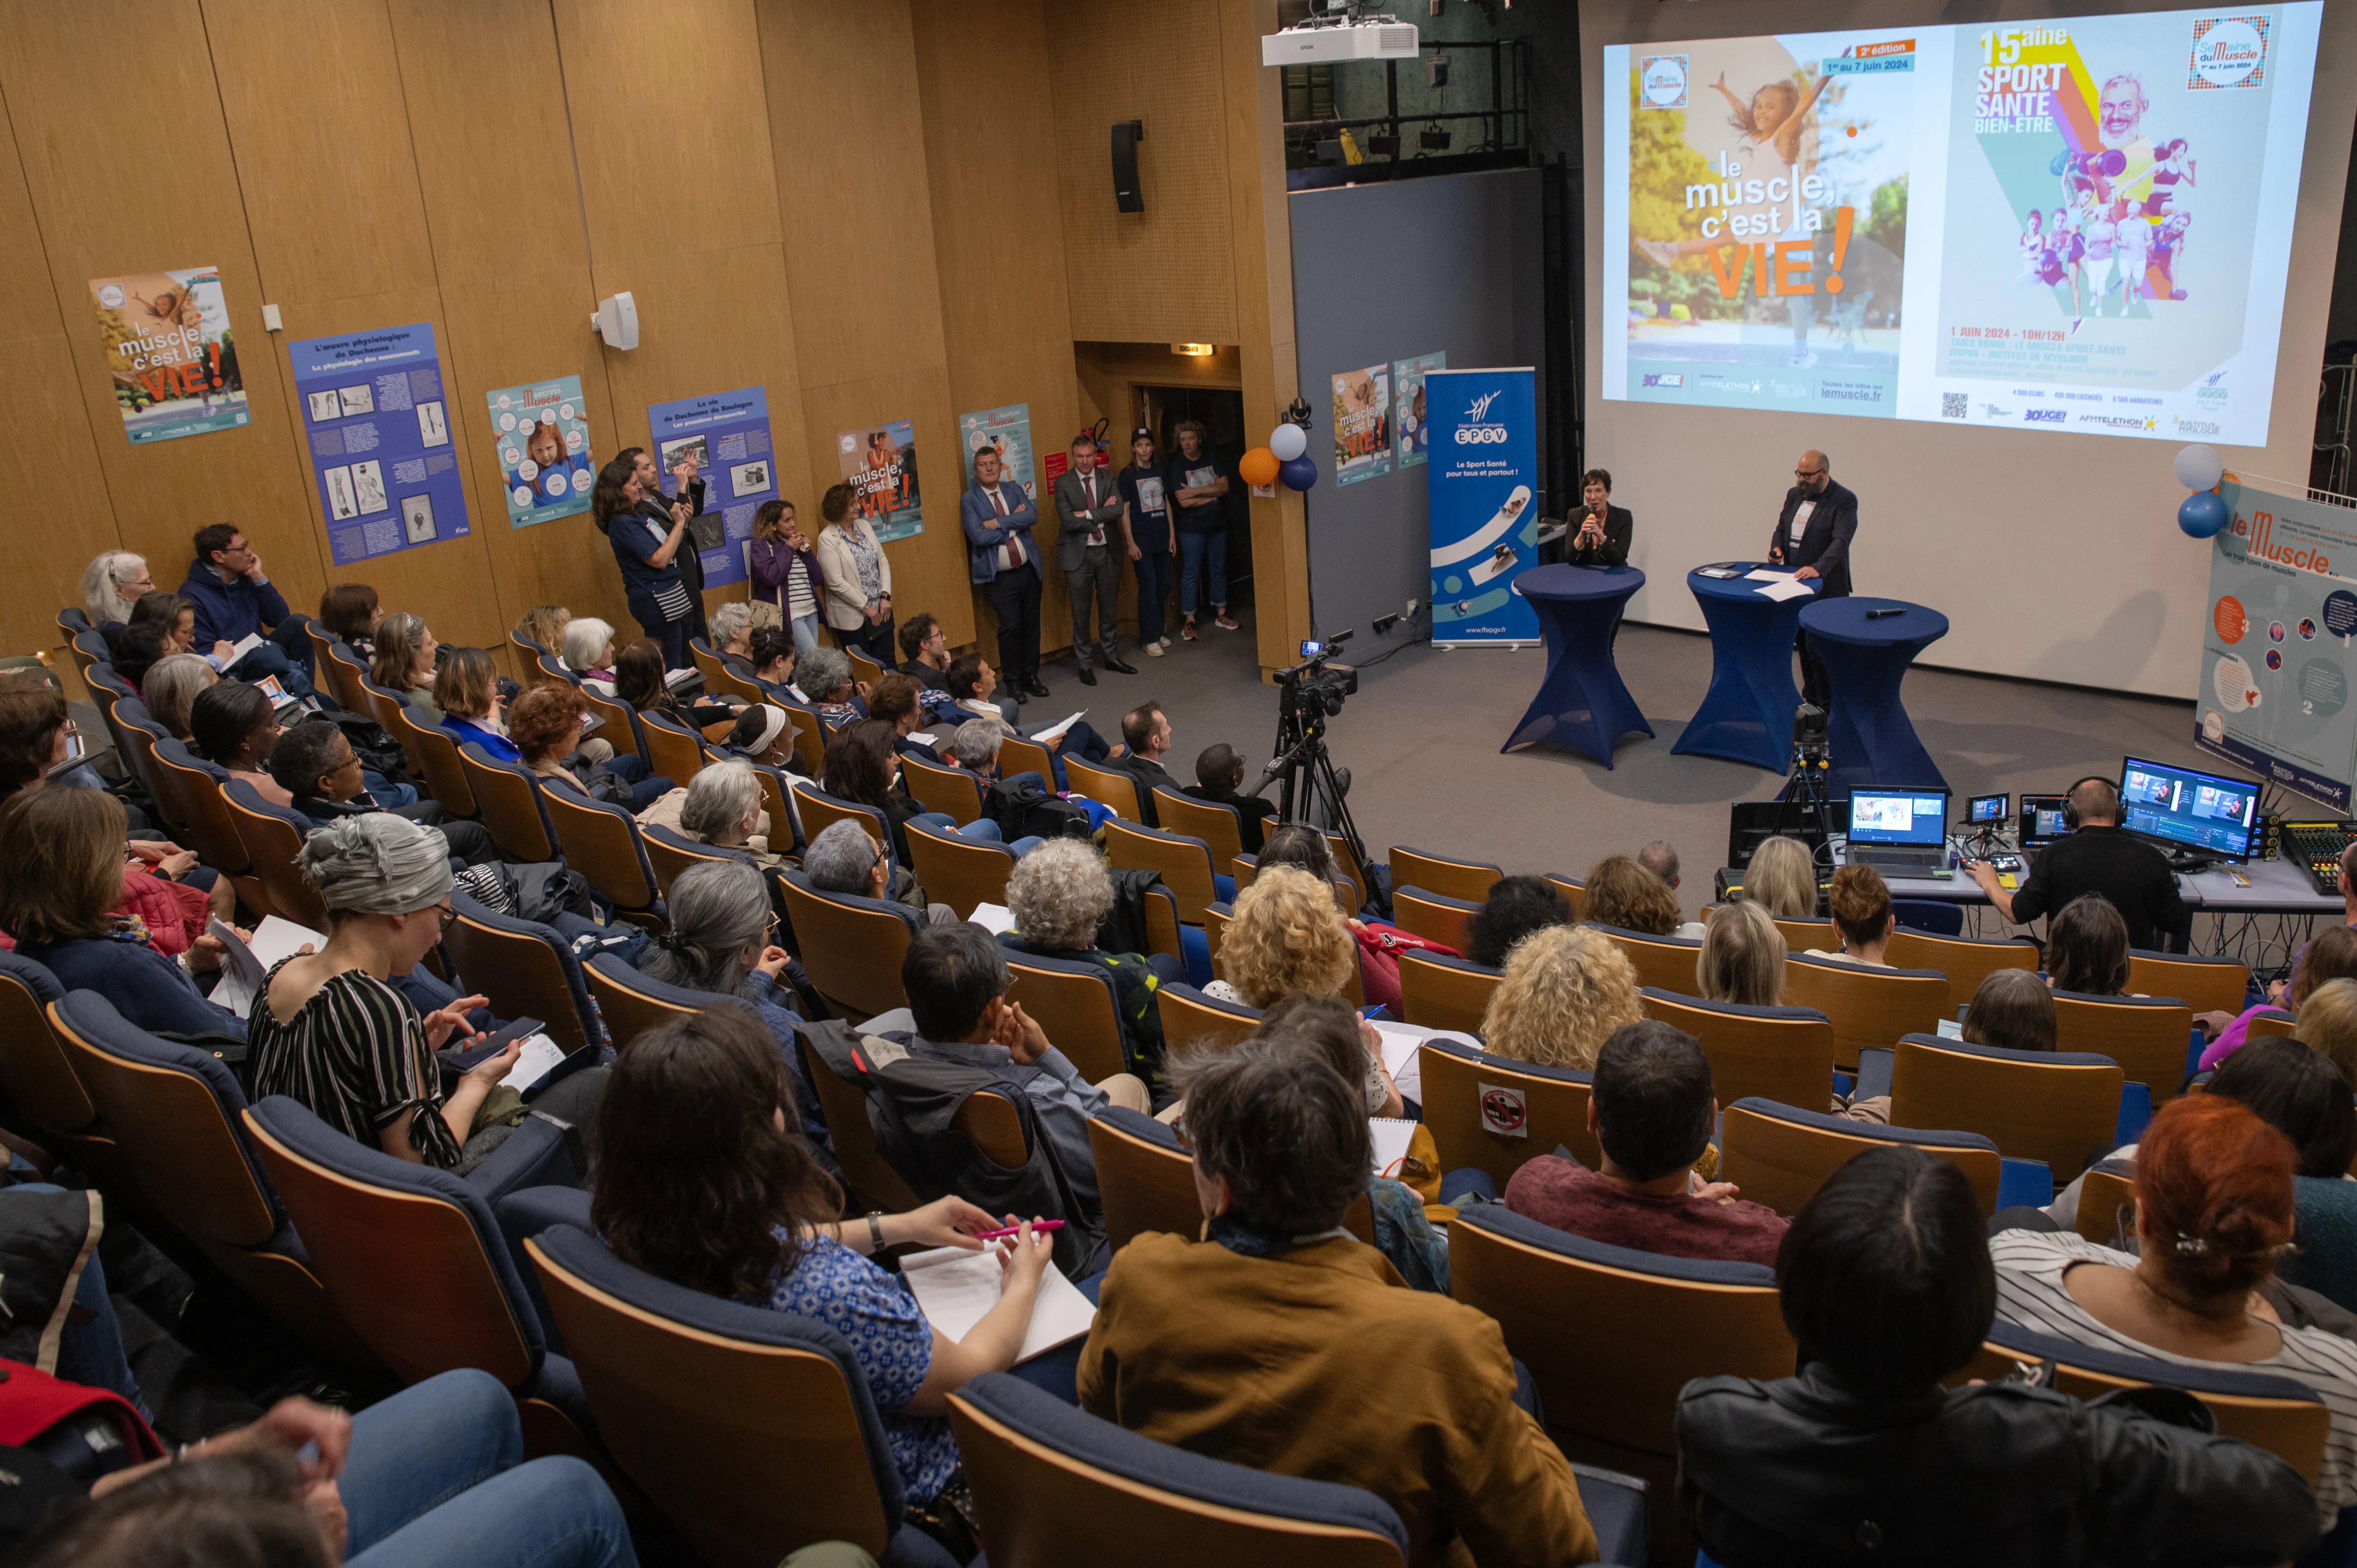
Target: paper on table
{"x":957,"y":1288}
{"x":532,"y":1063}
{"x":1766,"y":574}
{"x":1789,"y":588}
{"x":993,"y":917}
{"x":1391,"y":1135}
{"x":1055,"y":732}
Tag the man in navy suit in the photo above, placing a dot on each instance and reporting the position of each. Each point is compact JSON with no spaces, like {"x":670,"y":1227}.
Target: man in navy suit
{"x":999,"y":519}
{"x":1813,"y":536}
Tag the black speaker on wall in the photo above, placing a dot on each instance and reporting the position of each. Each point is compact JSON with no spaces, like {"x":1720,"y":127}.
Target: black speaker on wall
{"x":1127,"y":194}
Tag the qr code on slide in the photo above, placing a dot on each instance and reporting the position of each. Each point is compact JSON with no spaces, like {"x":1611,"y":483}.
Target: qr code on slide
{"x":1953,"y":404}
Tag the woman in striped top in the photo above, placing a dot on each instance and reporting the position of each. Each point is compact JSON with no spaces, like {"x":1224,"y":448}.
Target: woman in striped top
{"x":2213,"y":1215}
{"x":786,"y":572}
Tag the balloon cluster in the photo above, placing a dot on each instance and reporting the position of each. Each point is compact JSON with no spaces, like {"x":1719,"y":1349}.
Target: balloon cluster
{"x":1287,"y":456}
{"x":2205,"y":513}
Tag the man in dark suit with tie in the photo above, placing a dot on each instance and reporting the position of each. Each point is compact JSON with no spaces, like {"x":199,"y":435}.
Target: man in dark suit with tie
{"x":1813,"y":535}
{"x":999,"y":519}
{"x":1089,"y":548}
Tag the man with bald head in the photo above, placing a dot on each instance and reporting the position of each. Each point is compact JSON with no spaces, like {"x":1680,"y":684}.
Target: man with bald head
{"x":1813,"y":536}
{"x":2098,"y":856}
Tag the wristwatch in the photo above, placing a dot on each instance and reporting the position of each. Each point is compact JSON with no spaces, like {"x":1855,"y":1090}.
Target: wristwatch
{"x":874,"y":1231}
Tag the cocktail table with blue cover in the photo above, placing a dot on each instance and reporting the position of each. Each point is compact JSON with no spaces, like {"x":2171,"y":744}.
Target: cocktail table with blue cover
{"x":1747,"y":714}
{"x":1866,"y":728}
{"x":1581,"y":703}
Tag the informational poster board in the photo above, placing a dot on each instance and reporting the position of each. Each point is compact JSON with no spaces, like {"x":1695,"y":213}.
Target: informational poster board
{"x":378,"y":429}
{"x":1007,"y":431}
{"x":1483,"y":477}
{"x":541,"y":433}
{"x":1411,"y":427}
{"x":2275,"y":649}
{"x":169,"y":353}
{"x":880,"y":462}
{"x":726,"y":435}
{"x":1363,"y":423}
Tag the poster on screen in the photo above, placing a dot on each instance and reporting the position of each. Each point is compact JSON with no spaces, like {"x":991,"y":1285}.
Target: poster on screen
{"x":169,"y":353}
{"x":879,"y":461}
{"x":1363,"y":423}
{"x":2277,"y":652}
{"x":1410,"y":421}
{"x":541,"y":432}
{"x":727,"y":437}
{"x":1006,"y":431}
{"x":377,"y":427}
{"x":2078,"y":224}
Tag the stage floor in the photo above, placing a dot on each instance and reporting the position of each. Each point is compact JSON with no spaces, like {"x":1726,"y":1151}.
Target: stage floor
{"x":1421,"y":740}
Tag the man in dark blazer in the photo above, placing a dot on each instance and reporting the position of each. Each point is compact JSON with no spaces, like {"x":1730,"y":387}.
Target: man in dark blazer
{"x":1599,"y":533}
{"x":1090,"y":547}
{"x":1813,"y":535}
{"x":999,"y":519}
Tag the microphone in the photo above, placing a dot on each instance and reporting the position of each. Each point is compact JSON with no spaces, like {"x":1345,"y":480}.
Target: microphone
{"x":1883,"y":614}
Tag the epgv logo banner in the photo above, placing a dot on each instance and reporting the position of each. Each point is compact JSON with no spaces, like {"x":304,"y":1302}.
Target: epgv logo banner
{"x":1483,"y":480}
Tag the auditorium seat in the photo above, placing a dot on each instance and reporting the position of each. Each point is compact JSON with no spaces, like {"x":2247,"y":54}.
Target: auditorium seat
{"x":1573,"y":893}
{"x":345,"y":675}
{"x":725,"y":681}
{"x":819,"y":811}
{"x":852,"y":946}
{"x":1435,"y":916}
{"x":383,"y":705}
{"x":2274,"y":1022}
{"x":38,"y":1080}
{"x":2203,"y":984}
{"x":996,"y":1125}
{"x":1799,"y":936}
{"x":213,"y":832}
{"x":507,"y":800}
{"x":2106,"y":1213}
{"x":1932,"y":916}
{"x":1437,"y":992}
{"x":873,"y":1182}
{"x":552,"y":669}
{"x":1185,"y":863}
{"x":784,"y":833}
{"x":2060,"y":1108}
{"x":1869,"y":1007}
{"x":810,"y":745}
{"x":1494,"y":1113}
{"x":273,"y":836}
{"x":139,"y":733}
{"x":1075,"y":1005}
{"x":618,"y":723}
{"x":601,"y":842}
{"x":528,"y":655}
{"x":1146,"y":1180}
{"x":1106,"y":786}
{"x":864,"y":668}
{"x":442,"y":777}
{"x":1469,"y":880}
{"x":1216,"y":920}
{"x":1188,"y":1017}
{"x":953,"y":790}
{"x":673,"y":749}
{"x":1217,"y":823}
{"x":1667,"y":962}
{"x":1779,"y":1155}
{"x":1017,"y":755}
{"x":671,"y":852}
{"x":959,"y":872}
{"x":1964,"y":962}
{"x":1784,"y":1054}
{"x":706,"y":661}
{"x":2152,"y":1038}
{"x":524,"y":969}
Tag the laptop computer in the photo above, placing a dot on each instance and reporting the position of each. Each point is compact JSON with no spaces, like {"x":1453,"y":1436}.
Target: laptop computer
{"x":1899,"y":830}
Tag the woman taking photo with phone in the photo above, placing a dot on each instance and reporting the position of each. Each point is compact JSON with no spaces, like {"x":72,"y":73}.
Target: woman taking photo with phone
{"x":660,"y":575}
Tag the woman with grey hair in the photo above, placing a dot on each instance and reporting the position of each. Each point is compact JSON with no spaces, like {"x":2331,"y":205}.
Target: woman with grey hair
{"x":171,"y":689}
{"x":331,"y":1031}
{"x":111,"y":585}
{"x":1060,"y":894}
{"x":724,"y":809}
{"x":588,"y":652}
{"x":732,"y":630}
{"x":825,"y":674}
{"x":845,"y":858}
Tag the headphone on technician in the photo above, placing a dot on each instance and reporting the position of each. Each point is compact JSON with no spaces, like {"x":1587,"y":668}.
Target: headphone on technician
{"x":2071,"y":801}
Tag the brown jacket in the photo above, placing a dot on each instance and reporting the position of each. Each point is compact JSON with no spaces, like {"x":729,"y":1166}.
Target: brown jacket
{"x":1322,"y":1363}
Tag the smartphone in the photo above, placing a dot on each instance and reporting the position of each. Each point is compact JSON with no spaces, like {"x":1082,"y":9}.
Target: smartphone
{"x":475,"y":1055}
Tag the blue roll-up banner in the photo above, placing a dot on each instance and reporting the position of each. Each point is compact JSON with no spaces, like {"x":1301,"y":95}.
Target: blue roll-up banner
{"x":1484,"y":504}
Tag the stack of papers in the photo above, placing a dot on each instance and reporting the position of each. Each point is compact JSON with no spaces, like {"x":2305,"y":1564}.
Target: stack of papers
{"x":956,"y":1288}
{"x":1055,"y":732}
{"x":1777,"y":586}
{"x":246,"y":966}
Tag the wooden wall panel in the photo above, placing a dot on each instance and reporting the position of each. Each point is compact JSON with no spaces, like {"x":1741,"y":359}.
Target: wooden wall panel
{"x":1168,"y":274}
{"x":133,"y":180}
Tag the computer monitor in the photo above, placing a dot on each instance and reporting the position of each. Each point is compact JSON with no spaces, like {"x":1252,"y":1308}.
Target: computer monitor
{"x":1986,"y":807}
{"x":2042,"y":821}
{"x":2207,"y":813}
{"x":1899,"y":816}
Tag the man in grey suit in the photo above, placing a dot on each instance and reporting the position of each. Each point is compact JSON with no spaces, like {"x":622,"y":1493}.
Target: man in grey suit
{"x":1090,"y":507}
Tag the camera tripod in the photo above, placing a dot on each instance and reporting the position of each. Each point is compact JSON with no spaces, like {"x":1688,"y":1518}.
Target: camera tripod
{"x":1806,"y":781}
{"x":1310,"y":791}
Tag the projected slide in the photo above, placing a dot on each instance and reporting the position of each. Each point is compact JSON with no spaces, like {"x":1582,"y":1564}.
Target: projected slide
{"x":2080,"y":224}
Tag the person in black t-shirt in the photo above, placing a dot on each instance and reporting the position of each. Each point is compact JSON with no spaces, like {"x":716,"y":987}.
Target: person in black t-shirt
{"x":1198,"y":484}
{"x":1145,"y":490}
{"x":2097,"y":858}
{"x":1219,"y":774}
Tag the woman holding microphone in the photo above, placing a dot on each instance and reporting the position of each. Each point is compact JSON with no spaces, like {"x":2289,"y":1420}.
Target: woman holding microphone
{"x":1600,"y":531}
{"x":649,"y":535}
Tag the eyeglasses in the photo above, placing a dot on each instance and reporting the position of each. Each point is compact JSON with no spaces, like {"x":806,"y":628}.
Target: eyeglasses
{"x":1806,"y":473}
{"x":445,"y":917}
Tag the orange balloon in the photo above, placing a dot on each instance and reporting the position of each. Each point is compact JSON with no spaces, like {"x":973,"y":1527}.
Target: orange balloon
{"x":1258,"y":467}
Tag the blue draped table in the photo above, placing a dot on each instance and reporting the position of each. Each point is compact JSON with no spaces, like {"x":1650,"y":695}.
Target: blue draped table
{"x":1871,"y":740}
{"x":1747,"y":714}
{"x":1581,"y":703}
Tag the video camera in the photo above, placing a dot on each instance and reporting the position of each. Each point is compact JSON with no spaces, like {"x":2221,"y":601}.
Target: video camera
{"x":1311,"y":690}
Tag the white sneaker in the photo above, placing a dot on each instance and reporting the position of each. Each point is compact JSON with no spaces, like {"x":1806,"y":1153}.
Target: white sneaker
{"x":1154,"y":650}
{"x":1166,"y":642}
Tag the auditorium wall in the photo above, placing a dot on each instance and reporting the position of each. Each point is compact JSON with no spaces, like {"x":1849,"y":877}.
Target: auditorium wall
{"x":2054,"y":557}
{"x":872,"y":211}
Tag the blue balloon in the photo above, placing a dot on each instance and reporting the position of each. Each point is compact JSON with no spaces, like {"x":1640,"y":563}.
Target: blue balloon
{"x":2204,"y":515}
{"x":1299,"y":473}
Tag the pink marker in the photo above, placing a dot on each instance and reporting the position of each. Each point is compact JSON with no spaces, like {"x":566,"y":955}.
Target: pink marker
{"x":1017,"y":1230}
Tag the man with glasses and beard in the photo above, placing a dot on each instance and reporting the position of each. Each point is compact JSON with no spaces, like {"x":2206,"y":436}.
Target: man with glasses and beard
{"x":1813,"y":535}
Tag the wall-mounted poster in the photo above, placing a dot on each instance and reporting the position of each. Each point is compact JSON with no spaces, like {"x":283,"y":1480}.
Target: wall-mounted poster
{"x":1414,"y":426}
{"x":727,"y":437}
{"x":880,"y":462}
{"x":1363,"y":423}
{"x":169,"y":353}
{"x":379,"y":433}
{"x":541,"y":433}
{"x":1007,"y":431}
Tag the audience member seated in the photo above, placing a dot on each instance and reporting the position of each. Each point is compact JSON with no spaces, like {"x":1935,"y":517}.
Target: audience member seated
{"x":1621,"y":893}
{"x":845,"y":858}
{"x":543,"y":626}
{"x":1516,"y":907}
{"x":1887,"y":1286}
{"x":1145,"y":739}
{"x":764,"y":734}
{"x":1566,"y":988}
{"x":111,"y":585}
{"x":61,"y":879}
{"x":1654,"y":1113}
{"x":2087,"y":948}
{"x":771,"y":663}
{"x":171,"y":686}
{"x":234,"y":600}
{"x":1219,"y":777}
{"x":350,"y":614}
{"x":231,"y":724}
{"x":2011,"y":1009}
{"x":898,"y":700}
{"x":1863,"y":918}
{"x":925,"y":650}
{"x":1742,"y":957}
{"x":1660,"y":858}
{"x":545,"y":729}
{"x":1783,"y":879}
{"x":700,"y":1182}
{"x":973,"y":684}
{"x":862,"y":768}
{"x":588,"y":653}
{"x":639,"y":683}
{"x":722,"y":807}
{"x":35,"y":732}
{"x":955,"y":977}
{"x":2330,"y":954}
{"x":731,"y":626}
{"x":316,"y":764}
{"x":436,"y":1472}
{"x":2214,"y":1213}
{"x":332,"y":1032}
{"x":834,"y":696}
{"x":466,"y":690}
{"x":406,"y":657}
{"x":138,"y":649}
{"x":1059,"y":896}
{"x":2328,"y":1025}
{"x":1286,"y":935}
{"x":1282,"y":1344}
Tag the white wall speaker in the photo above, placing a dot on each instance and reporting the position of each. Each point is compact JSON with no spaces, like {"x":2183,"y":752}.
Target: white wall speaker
{"x":617,"y":321}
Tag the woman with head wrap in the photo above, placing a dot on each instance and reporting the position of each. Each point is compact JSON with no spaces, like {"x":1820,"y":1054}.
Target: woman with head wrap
{"x":330,"y":1031}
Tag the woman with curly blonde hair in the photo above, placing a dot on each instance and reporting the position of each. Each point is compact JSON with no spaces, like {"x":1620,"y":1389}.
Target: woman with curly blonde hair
{"x":1565,"y":990}
{"x":1286,"y":935}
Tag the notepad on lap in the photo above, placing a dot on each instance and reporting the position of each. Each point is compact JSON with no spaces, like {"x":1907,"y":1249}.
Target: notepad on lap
{"x":1391,"y":1136}
{"x":956,"y":1288}
{"x":1402,"y":1042}
{"x":996,"y":918}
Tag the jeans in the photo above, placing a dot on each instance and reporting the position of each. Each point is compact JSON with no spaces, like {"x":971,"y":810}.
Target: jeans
{"x":1196,"y":550}
{"x":645,"y":792}
{"x":285,"y":652}
{"x":392,"y":797}
{"x":627,"y":766}
{"x":434,"y":1476}
{"x":1153,"y":572}
{"x":805,"y":630}
{"x":982,"y":830}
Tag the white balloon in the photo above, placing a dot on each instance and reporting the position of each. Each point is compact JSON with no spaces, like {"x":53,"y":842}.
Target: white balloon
{"x":1289,"y":441}
{"x":2199,"y":467}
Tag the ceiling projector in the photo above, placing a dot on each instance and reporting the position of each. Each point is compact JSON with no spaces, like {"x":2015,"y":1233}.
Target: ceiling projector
{"x":1336,"y":42}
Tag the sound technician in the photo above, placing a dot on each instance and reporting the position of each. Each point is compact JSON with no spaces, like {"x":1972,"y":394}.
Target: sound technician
{"x":1813,"y":535}
{"x":2096,"y":857}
